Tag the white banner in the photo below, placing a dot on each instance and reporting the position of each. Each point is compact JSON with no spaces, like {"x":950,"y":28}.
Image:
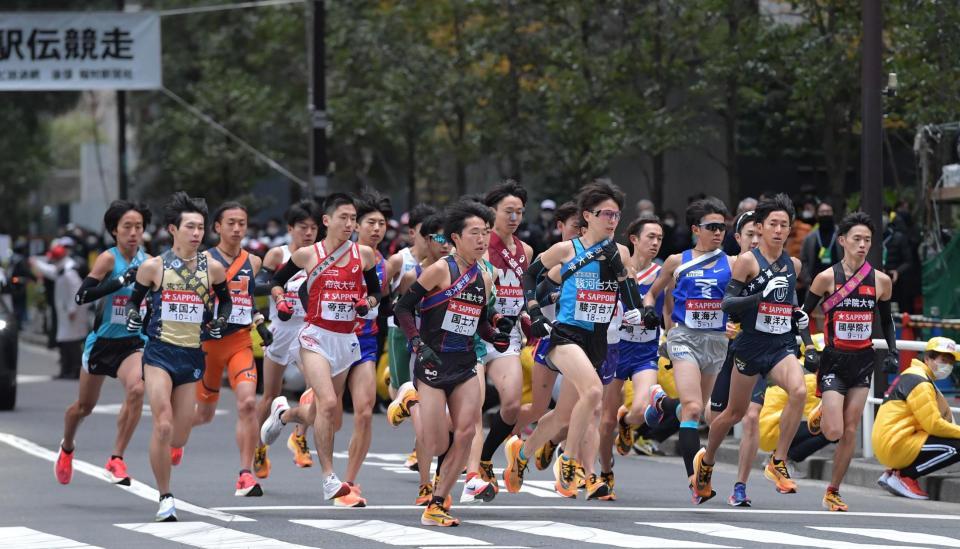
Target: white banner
{"x":79,"y":51}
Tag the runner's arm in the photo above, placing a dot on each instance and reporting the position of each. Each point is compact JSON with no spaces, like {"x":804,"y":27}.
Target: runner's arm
{"x":263,"y":281}
{"x":660,"y":284}
{"x":733,"y":302}
{"x":403,"y":312}
{"x":373,"y":285}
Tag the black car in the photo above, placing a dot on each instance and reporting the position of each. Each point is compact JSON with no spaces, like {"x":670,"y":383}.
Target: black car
{"x":8,"y":349}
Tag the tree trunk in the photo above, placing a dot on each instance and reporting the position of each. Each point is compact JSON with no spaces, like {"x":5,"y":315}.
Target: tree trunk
{"x":732,"y":111}
{"x":411,"y":143}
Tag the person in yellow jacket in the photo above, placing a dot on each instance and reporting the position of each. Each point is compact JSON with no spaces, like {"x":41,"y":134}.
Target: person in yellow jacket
{"x":914,"y":433}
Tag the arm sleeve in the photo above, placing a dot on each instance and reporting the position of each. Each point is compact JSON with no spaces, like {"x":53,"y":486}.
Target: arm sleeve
{"x":403,"y":312}
{"x":631,"y":294}
{"x":225,"y":304}
{"x":922,"y":401}
{"x":530,"y":280}
{"x":373,"y":283}
{"x":544,"y":289}
{"x":92,"y":289}
{"x":886,"y":324}
{"x":264,"y":284}
{"x":733,"y":302}
{"x":284,"y":274}
{"x":810,"y":302}
{"x":484,"y":328}
{"x":139,"y":291}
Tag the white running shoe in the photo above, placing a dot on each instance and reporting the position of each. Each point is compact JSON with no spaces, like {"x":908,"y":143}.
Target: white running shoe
{"x":333,"y":488}
{"x":273,"y":426}
{"x":167,"y":512}
{"x":905,"y":486}
{"x":477,"y":490}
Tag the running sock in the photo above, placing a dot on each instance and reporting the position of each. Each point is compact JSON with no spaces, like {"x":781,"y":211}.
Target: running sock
{"x":242,"y":471}
{"x":689,"y":444}
{"x":521,"y":454}
{"x":437,"y":500}
{"x":116,"y":457}
{"x":670,"y":405}
{"x":165,"y":496}
{"x":833,"y":489}
{"x":499,"y":431}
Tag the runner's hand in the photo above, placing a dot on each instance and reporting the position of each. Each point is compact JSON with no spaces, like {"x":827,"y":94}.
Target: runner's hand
{"x":215,"y":327}
{"x":504,"y":324}
{"x":284,"y":309}
{"x":891,"y":363}
{"x":651,"y":319}
{"x":811,"y":359}
{"x":265,"y":335}
{"x":612,"y":252}
{"x":362,"y":306}
{"x":425,"y":355}
{"x":775,"y":283}
{"x":134,"y":321}
{"x":539,"y":325}
{"x":633,"y":317}
{"x":128,"y":277}
{"x":800,"y":319}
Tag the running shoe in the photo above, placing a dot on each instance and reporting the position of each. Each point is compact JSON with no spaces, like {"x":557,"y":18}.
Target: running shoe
{"x":607,"y":478}
{"x":273,"y":426}
{"x":624,"y":432}
{"x":261,"y":463}
{"x":176,"y":455}
{"x":695,"y":497}
{"x":333,"y":488}
{"x":167,"y":511}
{"x":596,"y":488}
{"x":544,"y":455}
{"x":657,"y":394}
{"x":883,"y":482}
{"x":487,"y":474}
{"x":702,"y":475}
{"x":645,"y":446}
{"x":739,"y":496}
{"x":301,"y":452}
{"x":475,"y":490}
{"x":351,"y":499}
{"x":399,"y":409}
{"x":652,"y":416}
{"x":63,"y":467}
{"x":425,"y":494}
{"x":814,"y":419}
{"x":906,"y":486}
{"x":117,"y":471}
{"x":411,"y":461}
{"x":247,"y":486}
{"x":581,"y":477}
{"x":306,"y":398}
{"x":513,"y":474}
{"x":833,"y":502}
{"x":776,"y":472}
{"x":565,"y":472}
{"x":436,"y":515}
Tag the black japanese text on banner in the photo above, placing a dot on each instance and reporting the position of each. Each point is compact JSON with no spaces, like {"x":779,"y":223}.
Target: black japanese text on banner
{"x":79,"y":51}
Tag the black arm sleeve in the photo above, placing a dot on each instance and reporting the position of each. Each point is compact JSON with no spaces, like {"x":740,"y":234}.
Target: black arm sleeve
{"x":403,"y":312}
{"x":733,"y":302}
{"x":139,"y":292}
{"x":225,"y":305}
{"x":631,"y":294}
{"x":264,"y":284}
{"x":886,"y":324}
{"x":810,"y":302}
{"x":531,"y":278}
{"x":373,"y":283}
{"x":92,"y":289}
{"x":544,"y":289}
{"x":484,"y":328}
{"x":286,"y":273}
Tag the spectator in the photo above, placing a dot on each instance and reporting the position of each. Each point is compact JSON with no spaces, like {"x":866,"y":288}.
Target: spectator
{"x":20,"y":277}
{"x":914,"y":434}
{"x":898,"y":261}
{"x":802,"y":225}
{"x":645,"y":208}
{"x":71,"y":318}
{"x":820,"y":248}
{"x":542,"y":233}
{"x":675,"y":238}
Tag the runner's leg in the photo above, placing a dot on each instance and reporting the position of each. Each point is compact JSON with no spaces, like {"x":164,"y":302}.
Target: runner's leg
{"x":87,"y":399}
{"x":741,"y":387}
{"x":159,"y":389}
{"x":690,"y":390}
{"x":612,"y":398}
{"x":129,"y":375}
{"x":788,"y":374}
{"x":325,"y":404}
{"x":852,"y":411}
{"x":362,"y":381}
{"x":464,"y":403}
{"x":507,"y":376}
{"x":749,"y":441}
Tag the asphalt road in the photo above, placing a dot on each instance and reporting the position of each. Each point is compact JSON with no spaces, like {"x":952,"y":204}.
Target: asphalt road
{"x":653,"y":508}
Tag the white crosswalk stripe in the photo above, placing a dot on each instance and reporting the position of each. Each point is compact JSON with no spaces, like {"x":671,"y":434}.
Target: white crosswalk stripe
{"x":392,"y":534}
{"x":208,"y":536}
{"x":763,"y":536}
{"x":894,"y":535}
{"x":590,"y":535}
{"x":20,"y":537}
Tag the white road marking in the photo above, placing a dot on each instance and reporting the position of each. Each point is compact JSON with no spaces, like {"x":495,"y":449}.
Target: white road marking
{"x":31,"y":378}
{"x":208,"y":536}
{"x":114,"y":409}
{"x":391,"y":534}
{"x":385,"y":457}
{"x":590,"y":535}
{"x":763,"y":536}
{"x":19,"y":537}
{"x":894,"y":535}
{"x":136,"y":487}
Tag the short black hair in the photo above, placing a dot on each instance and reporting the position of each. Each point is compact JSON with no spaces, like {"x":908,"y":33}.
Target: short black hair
{"x":853,"y":219}
{"x":702,"y":207}
{"x":369,"y":201}
{"x":456,"y":216}
{"x":637,"y":225}
{"x":744,"y":219}
{"x":230,"y":205}
{"x":335,"y":200}
{"x":431,"y":225}
{"x":116,"y":210}
{"x":181,"y":203}
{"x":594,"y":193}
{"x":419,"y":213}
{"x":779,"y":202}
{"x":301,"y":211}
{"x":565,"y":211}
{"x":507,"y":187}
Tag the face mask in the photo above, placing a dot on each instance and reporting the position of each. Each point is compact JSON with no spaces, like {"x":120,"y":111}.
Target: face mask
{"x":825,"y":221}
{"x":807,"y":215}
{"x":942,"y":370}
{"x":669,"y":222}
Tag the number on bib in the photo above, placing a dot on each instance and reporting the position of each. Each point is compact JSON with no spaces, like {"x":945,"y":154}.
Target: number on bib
{"x":461,"y":317}
{"x":181,"y":306}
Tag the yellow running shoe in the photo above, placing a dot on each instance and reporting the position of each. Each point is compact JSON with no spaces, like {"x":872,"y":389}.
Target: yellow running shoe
{"x":607,"y":478}
{"x":544,"y":455}
{"x":399,"y":409}
{"x":624,"y":441}
{"x":261,"y":463}
{"x":777,"y":473}
{"x":435,"y":515}
{"x":702,"y":475}
{"x":513,"y":474}
{"x":411,"y":461}
{"x":596,"y":488}
{"x":425,"y":494}
{"x":581,"y":477}
{"x":566,"y":473}
{"x":301,"y":452}
{"x":814,"y":419}
{"x":833,"y":502}
{"x":487,"y":474}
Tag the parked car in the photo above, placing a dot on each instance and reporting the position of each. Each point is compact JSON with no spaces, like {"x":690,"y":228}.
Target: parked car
{"x":8,"y":348}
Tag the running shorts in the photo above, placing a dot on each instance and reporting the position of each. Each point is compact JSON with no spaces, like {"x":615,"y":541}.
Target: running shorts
{"x":757,"y":354}
{"x":705,"y":348}
{"x":455,"y":368}
{"x":636,"y":357}
{"x":285,"y":349}
{"x":234,"y":352}
{"x":340,"y":350}
{"x":398,"y":355}
{"x":841,"y":371}
{"x":182,"y":364}
{"x":106,"y":355}
{"x":513,"y":350}
{"x":368,"y":349}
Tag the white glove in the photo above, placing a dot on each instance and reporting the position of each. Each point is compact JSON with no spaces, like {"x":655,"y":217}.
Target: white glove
{"x":803,"y":321}
{"x":775,"y":283}
{"x":633,"y":317}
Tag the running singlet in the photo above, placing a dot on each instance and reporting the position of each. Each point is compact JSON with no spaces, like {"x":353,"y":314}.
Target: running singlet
{"x":368,"y":323}
{"x":241,"y":291}
{"x":849,"y":325}
{"x":640,"y":334}
{"x":774,"y":314}
{"x":331,"y":298}
{"x":449,"y":317}
{"x":182,"y":306}
{"x":589,"y":297}
{"x":509,"y":268}
{"x":111,"y":316}
{"x":699,"y":291}
{"x":291,"y":292}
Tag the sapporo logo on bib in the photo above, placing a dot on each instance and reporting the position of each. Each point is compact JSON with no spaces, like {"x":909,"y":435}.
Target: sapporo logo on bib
{"x":774,"y":318}
{"x":338,"y":306}
{"x":703,"y":314}
{"x":181,"y":306}
{"x":595,"y":305}
{"x":509,"y":300}
{"x":118,"y":309}
{"x":461,"y":317}
{"x":853,"y":326}
{"x":241,"y":313}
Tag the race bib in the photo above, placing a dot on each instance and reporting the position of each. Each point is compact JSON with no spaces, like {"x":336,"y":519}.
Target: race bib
{"x":181,"y":306}
{"x":595,"y":306}
{"x":461,"y":317}
{"x":338,"y":310}
{"x":774,"y":318}
{"x":118,"y":309}
{"x":292,"y":295}
{"x":703,"y":314}
{"x":853,"y":326}
{"x":637,"y":334}
{"x":509,"y":300}
{"x":242,"y":310}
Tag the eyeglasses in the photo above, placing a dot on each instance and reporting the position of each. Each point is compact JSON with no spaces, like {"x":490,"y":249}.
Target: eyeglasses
{"x":438,"y":238}
{"x":713,"y":227}
{"x":612,"y":215}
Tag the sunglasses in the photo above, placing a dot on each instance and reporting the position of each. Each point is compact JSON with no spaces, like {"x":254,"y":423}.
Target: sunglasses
{"x":713,"y":227}
{"x":612,"y":215}
{"x":438,"y":238}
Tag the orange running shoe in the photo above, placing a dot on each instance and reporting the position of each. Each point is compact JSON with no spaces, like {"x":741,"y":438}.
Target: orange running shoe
{"x":435,"y":515}
{"x":513,"y":474}
{"x":487,"y":474}
{"x":777,"y":473}
{"x":624,"y":440}
{"x":425,"y":494}
{"x":247,"y":486}
{"x":565,"y":471}
{"x":352,"y":499}
{"x":117,"y":471}
{"x":301,"y":452}
{"x":261,"y":463}
{"x":702,"y":475}
{"x":63,"y":467}
{"x":399,"y":409}
{"x":833,"y":502}
{"x":176,"y":456}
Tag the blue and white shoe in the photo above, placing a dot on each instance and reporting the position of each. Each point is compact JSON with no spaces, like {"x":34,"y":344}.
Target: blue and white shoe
{"x":652,"y":416}
{"x":739,"y":496}
{"x":167,"y":511}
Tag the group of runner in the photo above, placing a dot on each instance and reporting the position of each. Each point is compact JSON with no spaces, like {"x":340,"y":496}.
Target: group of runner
{"x":623,"y":345}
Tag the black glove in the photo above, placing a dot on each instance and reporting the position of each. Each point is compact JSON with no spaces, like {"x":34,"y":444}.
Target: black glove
{"x":134,"y":321}
{"x":284,"y":310}
{"x":265,"y":334}
{"x":128,"y":277}
{"x":612,"y":252}
{"x":362,"y":307}
{"x":425,"y":355}
{"x":811,"y":359}
{"x":216,"y":326}
{"x":891,"y":363}
{"x":504,"y":324}
{"x":539,"y":325}
{"x":651,"y":320}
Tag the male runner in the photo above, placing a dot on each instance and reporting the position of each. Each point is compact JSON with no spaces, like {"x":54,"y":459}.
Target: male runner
{"x":233,"y":351}
{"x":762,"y":294}
{"x":110,"y":350}
{"x":342,"y":284}
{"x":852,"y":292}
{"x":181,"y":309}
{"x":302,"y":227}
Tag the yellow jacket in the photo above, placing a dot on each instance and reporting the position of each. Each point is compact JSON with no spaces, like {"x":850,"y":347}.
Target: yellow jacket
{"x":773,"y":402}
{"x":914,"y":410}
